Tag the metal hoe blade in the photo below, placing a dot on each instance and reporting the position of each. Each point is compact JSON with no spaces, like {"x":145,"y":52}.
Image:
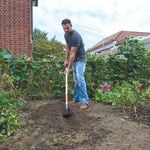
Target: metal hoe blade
{"x":67,"y":114}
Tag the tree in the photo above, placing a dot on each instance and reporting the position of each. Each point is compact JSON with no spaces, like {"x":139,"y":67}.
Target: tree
{"x":38,"y":34}
{"x":43,"y":47}
{"x":54,"y":38}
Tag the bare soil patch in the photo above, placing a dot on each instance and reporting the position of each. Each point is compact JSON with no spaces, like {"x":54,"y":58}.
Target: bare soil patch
{"x":100,"y":127}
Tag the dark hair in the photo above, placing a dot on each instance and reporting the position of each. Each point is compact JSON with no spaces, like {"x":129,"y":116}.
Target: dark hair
{"x":66,"y":21}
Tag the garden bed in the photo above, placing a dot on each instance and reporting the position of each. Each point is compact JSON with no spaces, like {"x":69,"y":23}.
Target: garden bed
{"x":100,"y":127}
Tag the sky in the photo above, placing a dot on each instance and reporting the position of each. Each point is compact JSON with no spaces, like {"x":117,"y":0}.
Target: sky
{"x":93,"y":19}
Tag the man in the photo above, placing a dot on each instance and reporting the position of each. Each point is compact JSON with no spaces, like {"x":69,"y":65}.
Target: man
{"x":74,"y":44}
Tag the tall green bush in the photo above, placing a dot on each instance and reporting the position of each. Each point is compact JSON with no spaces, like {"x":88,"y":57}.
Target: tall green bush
{"x":95,"y":73}
{"x":135,"y":53}
{"x":116,"y":69}
{"x":38,"y":34}
{"x":42,"y":46}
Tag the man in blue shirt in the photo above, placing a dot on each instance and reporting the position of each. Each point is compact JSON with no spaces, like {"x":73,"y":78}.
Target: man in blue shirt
{"x":75,"y":46}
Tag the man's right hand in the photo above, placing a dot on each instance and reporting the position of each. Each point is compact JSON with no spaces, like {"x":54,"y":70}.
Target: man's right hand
{"x":65,"y":63}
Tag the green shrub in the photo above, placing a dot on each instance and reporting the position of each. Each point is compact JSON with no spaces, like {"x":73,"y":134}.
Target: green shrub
{"x":9,"y":114}
{"x":124,"y":95}
{"x":107,"y":97}
{"x":146,"y":94}
{"x":95,"y":73}
{"x":135,"y":53}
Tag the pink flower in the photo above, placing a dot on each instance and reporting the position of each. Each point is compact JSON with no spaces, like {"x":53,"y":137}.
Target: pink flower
{"x":139,"y":88}
{"x":105,"y":86}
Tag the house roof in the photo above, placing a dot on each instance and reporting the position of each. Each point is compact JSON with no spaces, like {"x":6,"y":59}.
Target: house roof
{"x":118,"y":37}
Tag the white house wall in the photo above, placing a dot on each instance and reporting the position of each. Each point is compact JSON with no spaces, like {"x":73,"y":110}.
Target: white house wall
{"x":146,"y":40}
{"x":114,"y":50}
{"x":112,"y":44}
{"x":111,"y":51}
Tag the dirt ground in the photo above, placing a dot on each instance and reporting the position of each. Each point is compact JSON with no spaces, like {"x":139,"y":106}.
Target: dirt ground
{"x":100,"y":127}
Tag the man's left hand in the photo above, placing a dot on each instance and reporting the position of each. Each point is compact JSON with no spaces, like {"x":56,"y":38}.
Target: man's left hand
{"x":66,"y":71}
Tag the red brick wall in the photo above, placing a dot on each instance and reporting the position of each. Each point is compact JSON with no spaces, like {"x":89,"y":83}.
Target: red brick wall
{"x":15,"y":26}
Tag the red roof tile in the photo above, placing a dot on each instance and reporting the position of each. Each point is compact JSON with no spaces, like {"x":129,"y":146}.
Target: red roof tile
{"x":118,"y":37}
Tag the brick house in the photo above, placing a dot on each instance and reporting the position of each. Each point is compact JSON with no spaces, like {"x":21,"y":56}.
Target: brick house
{"x":109,"y":44}
{"x":16,"y":26}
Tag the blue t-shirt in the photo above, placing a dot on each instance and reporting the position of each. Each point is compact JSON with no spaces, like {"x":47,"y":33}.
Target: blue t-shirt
{"x":75,"y":40}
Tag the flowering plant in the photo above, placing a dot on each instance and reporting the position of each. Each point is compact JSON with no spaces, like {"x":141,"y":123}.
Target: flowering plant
{"x":105,"y":86}
{"x":139,"y":88}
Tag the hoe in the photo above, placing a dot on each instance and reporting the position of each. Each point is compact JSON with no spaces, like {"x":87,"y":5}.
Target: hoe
{"x":67,"y":113}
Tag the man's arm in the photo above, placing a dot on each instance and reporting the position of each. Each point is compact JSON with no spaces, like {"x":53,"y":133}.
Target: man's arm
{"x":72,"y":57}
{"x":66,"y":55}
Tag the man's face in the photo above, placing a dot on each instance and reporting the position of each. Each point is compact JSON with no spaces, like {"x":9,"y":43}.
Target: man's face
{"x":67,"y":28}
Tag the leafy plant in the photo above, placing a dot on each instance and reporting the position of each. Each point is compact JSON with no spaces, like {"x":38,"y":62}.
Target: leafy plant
{"x":9,"y":114}
{"x":10,"y":106}
{"x":5,"y":55}
{"x":116,"y":68}
{"x":95,"y":73}
{"x":146,"y":94}
{"x":125,"y":95}
{"x":106,"y":97}
{"x":135,"y":53}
